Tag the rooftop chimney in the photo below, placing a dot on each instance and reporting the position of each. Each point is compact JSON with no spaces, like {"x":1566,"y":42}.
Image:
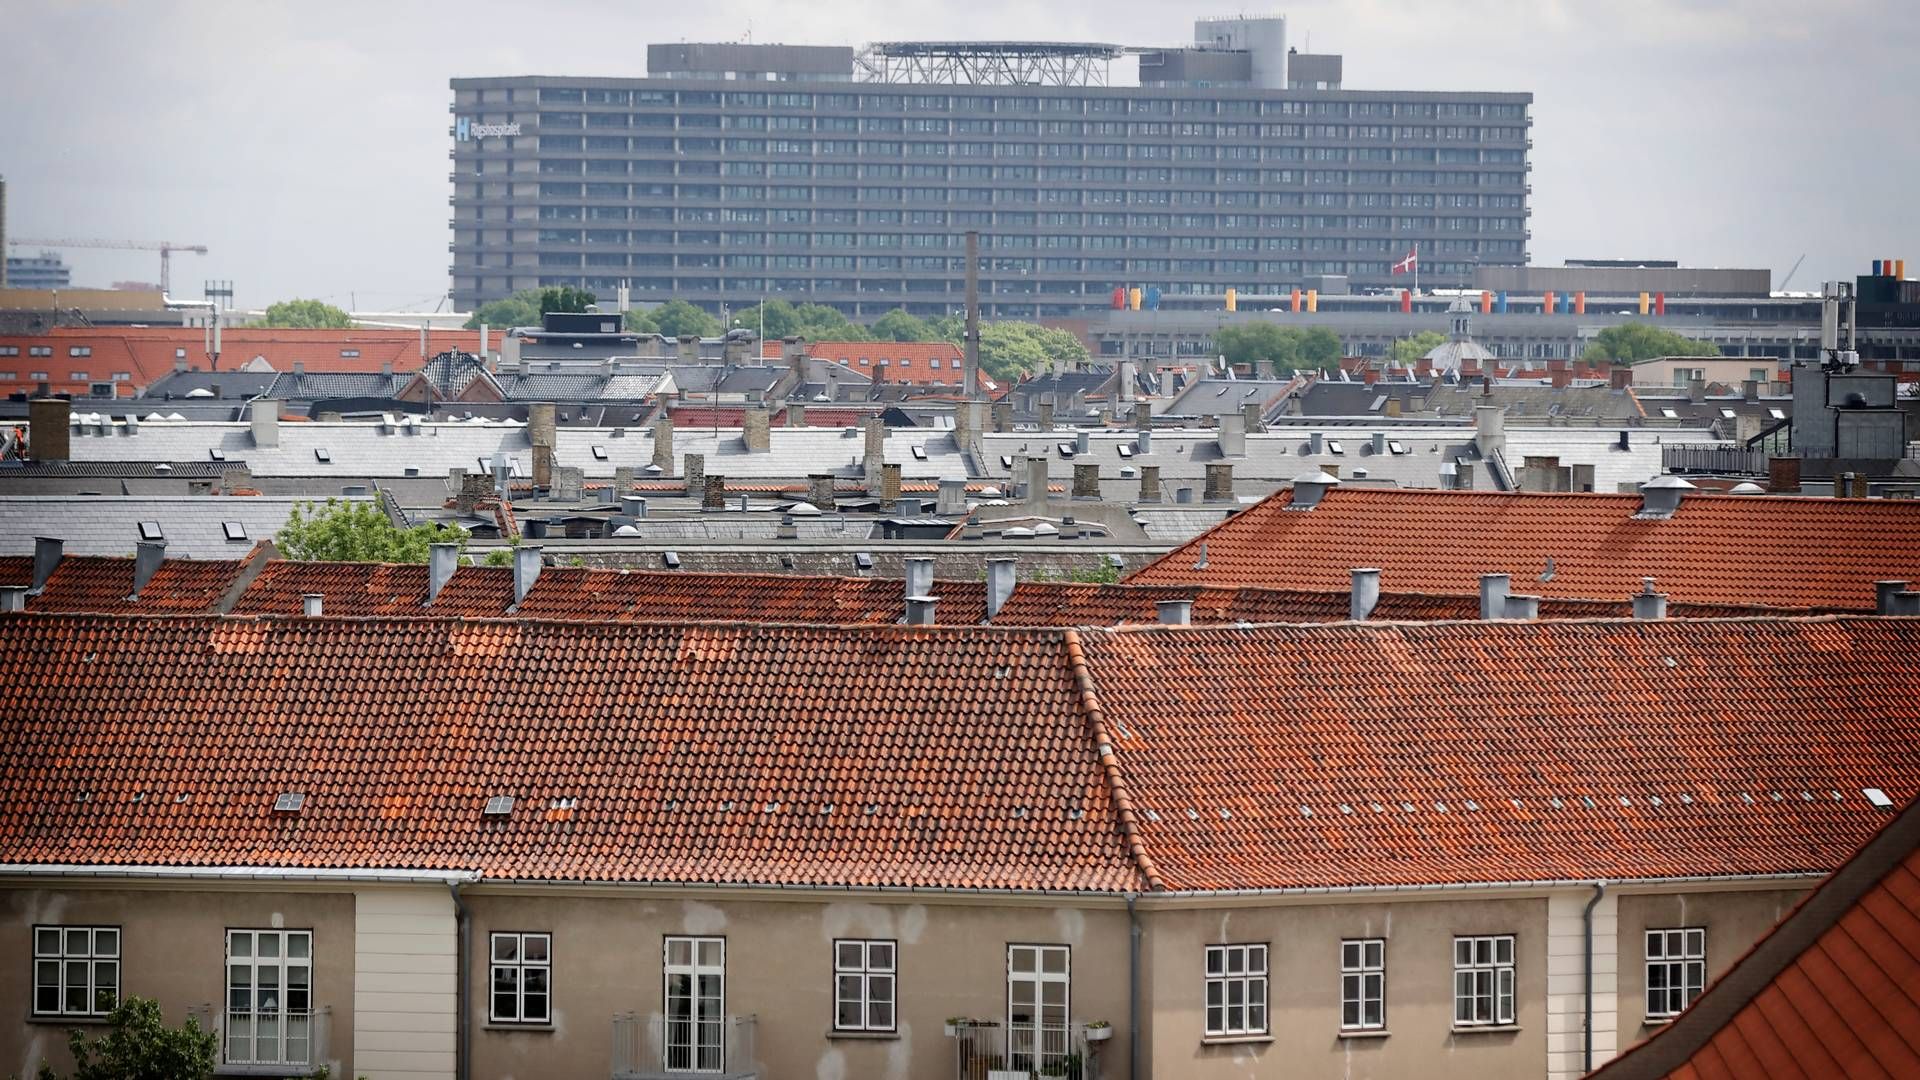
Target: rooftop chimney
{"x":13,"y":598}
{"x":920,"y":610}
{"x":754,"y":430}
{"x":663,"y":445}
{"x":1379,"y":442}
{"x":1522,"y":607}
{"x":786,"y":530}
{"x":265,"y":417}
{"x":1490,"y":430}
{"x":952,"y":498}
{"x":1493,"y":595}
{"x":1045,"y":411}
{"x":1233,"y":435}
{"x":1001,"y":575}
{"x":1309,"y":488}
{"x":919,"y":575}
{"x":1036,"y":492}
{"x":1250,"y":414}
{"x":1648,"y":604}
{"x":1892,"y":598}
{"x":1149,"y":483}
{"x":1175,"y":612}
{"x":313,"y":604}
{"x":50,"y":428}
{"x":1366,"y":594}
{"x":47,"y":552}
{"x":1660,"y":497}
{"x":1143,"y":442}
{"x":634,"y":507}
{"x":442,"y":561}
{"x":526,"y":570}
{"x":147,"y":557}
{"x":1316,"y":443}
{"x":1086,"y":480}
{"x":1219,"y":482}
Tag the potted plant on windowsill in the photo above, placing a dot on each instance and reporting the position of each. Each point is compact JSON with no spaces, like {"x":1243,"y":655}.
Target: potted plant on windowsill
{"x":955,"y":1023}
{"x":1099,"y":1031}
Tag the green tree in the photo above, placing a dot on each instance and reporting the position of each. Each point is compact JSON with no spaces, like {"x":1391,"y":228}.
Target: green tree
{"x":677,"y":318}
{"x":520,"y":309}
{"x":1009,"y":350}
{"x":897,"y":325}
{"x":639,"y":322}
{"x":815,"y":322}
{"x":1632,"y":342}
{"x":1063,"y":349}
{"x":1282,"y":348}
{"x":1410,"y":350}
{"x":306,"y":315}
{"x":138,"y":1045}
{"x":358,"y":532}
{"x":566,"y":299}
{"x":1319,"y":348}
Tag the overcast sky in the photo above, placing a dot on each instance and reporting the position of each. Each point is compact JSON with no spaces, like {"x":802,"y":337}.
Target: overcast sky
{"x":306,"y":144}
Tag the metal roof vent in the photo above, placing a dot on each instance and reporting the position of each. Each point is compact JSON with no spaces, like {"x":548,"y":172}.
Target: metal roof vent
{"x":1660,"y":497}
{"x":289,"y":802}
{"x":499,"y":806}
{"x":1309,"y":488}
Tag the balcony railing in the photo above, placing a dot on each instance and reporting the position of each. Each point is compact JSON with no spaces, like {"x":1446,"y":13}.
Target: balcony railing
{"x":659,"y":1048}
{"x":1723,"y":458}
{"x":985,"y":1050}
{"x":268,"y":1042}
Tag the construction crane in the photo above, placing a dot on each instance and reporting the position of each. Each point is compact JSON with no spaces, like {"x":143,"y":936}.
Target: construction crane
{"x":166,"y":248}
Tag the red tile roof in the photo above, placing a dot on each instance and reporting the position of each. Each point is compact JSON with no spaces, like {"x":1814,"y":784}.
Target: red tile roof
{"x":789,"y":755}
{"x":1833,"y":990}
{"x":1786,"y":552}
{"x":102,"y":584}
{"x":365,"y":590}
{"x":1413,"y":754}
{"x":148,"y":352}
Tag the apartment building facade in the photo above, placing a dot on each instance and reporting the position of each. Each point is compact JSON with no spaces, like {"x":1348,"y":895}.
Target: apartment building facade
{"x":735,"y":173}
{"x":394,"y":845}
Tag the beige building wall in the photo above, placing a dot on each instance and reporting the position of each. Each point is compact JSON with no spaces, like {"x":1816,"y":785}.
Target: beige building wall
{"x":1567,"y":915}
{"x":1731,"y":370}
{"x":779,"y":967}
{"x":404,"y":980}
{"x":1304,"y":990}
{"x":1734,"y":919}
{"x":172,"y":949}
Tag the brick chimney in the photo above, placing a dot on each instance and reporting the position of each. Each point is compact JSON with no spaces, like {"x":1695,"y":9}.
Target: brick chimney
{"x":688,"y":348}
{"x":754,"y":430}
{"x":1003,"y":415}
{"x":1142,"y":416}
{"x":1620,"y":377}
{"x":1046,"y":413}
{"x":889,"y":482}
{"x":713,"y":492}
{"x":1251,"y":417}
{"x":663,"y":445}
{"x":541,"y":432}
{"x":1149,"y":483}
{"x":50,"y":434}
{"x":1086,"y":480}
{"x":1219,"y":484}
{"x":820,"y":491}
{"x":694,"y":471}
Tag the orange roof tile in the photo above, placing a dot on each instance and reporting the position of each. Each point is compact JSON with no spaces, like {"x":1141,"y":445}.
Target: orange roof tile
{"x":101,"y":584}
{"x":1414,"y":754}
{"x":148,"y":352}
{"x":1785,"y":552}
{"x":1833,"y":990}
{"x":784,"y":756}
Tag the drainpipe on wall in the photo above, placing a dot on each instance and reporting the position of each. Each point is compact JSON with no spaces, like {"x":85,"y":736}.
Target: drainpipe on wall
{"x":1586,"y":918}
{"x":462,"y":950}
{"x":1133,"y":988}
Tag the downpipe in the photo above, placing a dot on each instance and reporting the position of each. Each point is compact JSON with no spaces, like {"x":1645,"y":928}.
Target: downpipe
{"x":1586,"y":918}
{"x":463,"y":950}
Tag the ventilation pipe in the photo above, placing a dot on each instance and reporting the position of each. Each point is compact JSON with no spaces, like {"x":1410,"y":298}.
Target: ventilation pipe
{"x":1366,"y":594}
{"x":1522,"y":607}
{"x":1493,"y":595}
{"x":47,"y":552}
{"x":1001,"y":575}
{"x":1648,"y":604}
{"x":527,"y":562}
{"x":1175,"y":612}
{"x":442,"y":560}
{"x":13,"y":598}
{"x":313,"y":604}
{"x":919,"y":576}
{"x":264,"y":420}
{"x":1310,"y":488}
{"x":1660,"y":497}
{"x":147,"y":557}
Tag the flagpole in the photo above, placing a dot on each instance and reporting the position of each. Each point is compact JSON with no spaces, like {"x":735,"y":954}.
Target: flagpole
{"x":1416,"y":269}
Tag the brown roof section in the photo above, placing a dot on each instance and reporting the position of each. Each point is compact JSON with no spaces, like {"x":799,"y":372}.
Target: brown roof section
{"x":1432,"y":753}
{"x":1806,"y":553}
{"x":102,"y":584}
{"x":1833,"y":990}
{"x":644,"y":753}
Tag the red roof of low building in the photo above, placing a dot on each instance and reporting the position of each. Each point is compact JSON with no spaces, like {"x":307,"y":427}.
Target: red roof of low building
{"x":910,"y":362}
{"x":1833,"y":990}
{"x":103,"y":584}
{"x":1786,"y":552}
{"x":145,"y":353}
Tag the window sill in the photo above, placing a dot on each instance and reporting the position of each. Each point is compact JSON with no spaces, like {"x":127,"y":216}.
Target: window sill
{"x":68,"y":1021}
{"x":1657,"y":1021}
{"x":872,"y":1036}
{"x":1486,"y":1029}
{"x":509,"y":1025}
{"x":1364,"y":1033}
{"x":1234,"y":1040}
{"x":267,"y":1070}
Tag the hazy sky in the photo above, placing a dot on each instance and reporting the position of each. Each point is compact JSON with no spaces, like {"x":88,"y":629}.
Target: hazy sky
{"x":306,"y":144}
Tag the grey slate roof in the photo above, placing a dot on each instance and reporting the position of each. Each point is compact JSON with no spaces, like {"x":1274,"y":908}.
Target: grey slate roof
{"x":1225,"y":397}
{"x":110,"y":524}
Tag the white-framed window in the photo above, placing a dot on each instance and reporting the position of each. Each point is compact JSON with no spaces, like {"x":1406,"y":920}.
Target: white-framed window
{"x":76,"y":970}
{"x":1483,"y":981}
{"x":1676,"y":969}
{"x":522,"y":978}
{"x":1363,"y":984}
{"x":1236,"y":990}
{"x":269,"y":997}
{"x":696,"y":1000}
{"x":865,"y":982}
{"x":1039,"y":983}
{"x":79,"y":350}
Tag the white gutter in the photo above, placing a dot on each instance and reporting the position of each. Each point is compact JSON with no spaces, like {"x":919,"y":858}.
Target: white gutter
{"x":241,"y":873}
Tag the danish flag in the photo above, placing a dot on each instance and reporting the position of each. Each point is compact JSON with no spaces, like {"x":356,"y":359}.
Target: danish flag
{"x":1412,"y":260}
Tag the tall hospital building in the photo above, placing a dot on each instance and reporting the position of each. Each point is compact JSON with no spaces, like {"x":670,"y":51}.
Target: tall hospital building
{"x":817,"y":174}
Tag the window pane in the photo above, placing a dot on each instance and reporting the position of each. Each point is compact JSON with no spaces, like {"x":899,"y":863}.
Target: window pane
{"x":46,"y":941}
{"x":533,"y":1006}
{"x":880,"y":1015}
{"x":1236,"y":992}
{"x":1236,"y":961}
{"x":240,"y":944}
{"x":106,"y":943}
{"x":1216,"y":1019}
{"x":1376,"y":953}
{"x":880,"y":955}
{"x":503,"y":1006}
{"x":77,"y":943}
{"x":46,"y":986}
{"x":1256,"y":1018}
{"x":1697,"y":943}
{"x":1256,"y":991}
{"x":1257,"y":960}
{"x":848,"y":955}
{"x":506,"y":948}
{"x":1216,"y":991}
{"x":847,"y":1014}
{"x":1350,"y":1012}
{"x":1054,"y":961}
{"x":1656,"y":942}
{"x":1376,"y":1015}
{"x":1021,"y":960}
{"x":1462,"y":952}
{"x":880,"y":987}
{"x":679,"y":952}
{"x":1503,"y":950}
{"x":76,"y":998}
{"x":1216,"y":961}
{"x":299,"y":946}
{"x":269,"y":946}
{"x":710,"y":952}
{"x":534,"y":947}
{"x":1350,"y":954}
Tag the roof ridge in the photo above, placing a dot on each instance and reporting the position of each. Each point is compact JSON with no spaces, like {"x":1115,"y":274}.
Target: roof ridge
{"x":1110,"y":765}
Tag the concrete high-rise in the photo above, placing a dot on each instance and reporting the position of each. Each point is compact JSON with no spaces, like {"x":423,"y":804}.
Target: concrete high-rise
{"x":818,"y":174}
